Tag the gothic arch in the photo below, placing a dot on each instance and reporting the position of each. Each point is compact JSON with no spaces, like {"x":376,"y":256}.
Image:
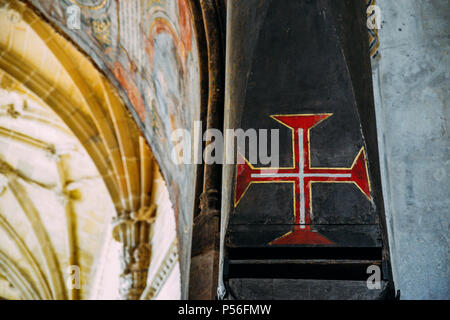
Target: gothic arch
{"x":41,"y":65}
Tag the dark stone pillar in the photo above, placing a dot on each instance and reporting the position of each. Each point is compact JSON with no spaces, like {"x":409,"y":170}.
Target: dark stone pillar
{"x":303,"y":67}
{"x":206,"y":231}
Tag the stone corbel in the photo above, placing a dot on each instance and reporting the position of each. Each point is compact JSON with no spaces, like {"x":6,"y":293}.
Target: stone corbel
{"x":133,"y":231}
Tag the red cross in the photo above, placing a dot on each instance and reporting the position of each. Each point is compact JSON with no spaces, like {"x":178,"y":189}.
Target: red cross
{"x":302,"y":175}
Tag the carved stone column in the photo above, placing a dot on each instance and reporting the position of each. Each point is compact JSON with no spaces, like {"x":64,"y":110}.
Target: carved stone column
{"x":132,"y":230}
{"x":206,"y":230}
{"x":206,"y":248}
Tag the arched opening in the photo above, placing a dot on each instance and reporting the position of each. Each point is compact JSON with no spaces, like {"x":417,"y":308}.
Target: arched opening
{"x":71,"y":160}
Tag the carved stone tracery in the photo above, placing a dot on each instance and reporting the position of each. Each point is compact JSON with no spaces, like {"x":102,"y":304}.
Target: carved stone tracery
{"x":133,"y":231}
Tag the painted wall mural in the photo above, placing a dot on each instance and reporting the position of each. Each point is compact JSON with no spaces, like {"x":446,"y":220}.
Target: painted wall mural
{"x":148,"y":49}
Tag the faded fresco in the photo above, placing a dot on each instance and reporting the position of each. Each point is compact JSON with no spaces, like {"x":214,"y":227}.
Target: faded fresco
{"x":148,"y":50}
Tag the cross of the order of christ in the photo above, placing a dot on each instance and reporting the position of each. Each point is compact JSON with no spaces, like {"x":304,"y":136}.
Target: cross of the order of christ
{"x":302,"y":175}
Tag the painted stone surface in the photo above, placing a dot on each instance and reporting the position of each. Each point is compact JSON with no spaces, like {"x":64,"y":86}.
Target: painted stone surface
{"x":313,"y":222}
{"x":307,"y":80}
{"x":302,"y":176}
{"x":148,"y":50}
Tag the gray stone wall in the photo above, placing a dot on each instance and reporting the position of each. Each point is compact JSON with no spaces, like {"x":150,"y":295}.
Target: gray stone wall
{"x":412,"y":94}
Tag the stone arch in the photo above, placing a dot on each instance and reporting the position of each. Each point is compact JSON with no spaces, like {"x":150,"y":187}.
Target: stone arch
{"x":56,"y":74}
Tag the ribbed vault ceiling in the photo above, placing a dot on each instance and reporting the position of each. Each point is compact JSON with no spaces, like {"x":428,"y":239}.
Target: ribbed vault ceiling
{"x":54,"y":207}
{"x":71,"y":159}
